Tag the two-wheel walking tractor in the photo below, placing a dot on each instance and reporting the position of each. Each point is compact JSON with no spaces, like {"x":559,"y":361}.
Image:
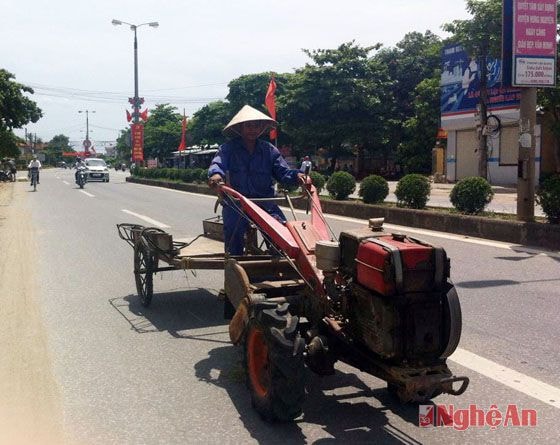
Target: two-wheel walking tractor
{"x":381,"y":302}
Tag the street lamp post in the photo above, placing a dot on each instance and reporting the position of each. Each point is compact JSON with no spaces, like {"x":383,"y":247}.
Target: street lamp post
{"x":87,"y":142}
{"x":136,"y":101}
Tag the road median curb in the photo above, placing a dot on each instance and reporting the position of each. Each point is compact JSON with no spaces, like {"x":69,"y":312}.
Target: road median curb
{"x":516,"y":232}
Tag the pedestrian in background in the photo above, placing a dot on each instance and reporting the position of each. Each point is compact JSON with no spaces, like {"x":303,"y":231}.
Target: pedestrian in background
{"x":306,"y":165}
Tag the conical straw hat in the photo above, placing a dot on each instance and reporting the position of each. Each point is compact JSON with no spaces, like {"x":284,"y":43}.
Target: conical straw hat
{"x":247,"y":113}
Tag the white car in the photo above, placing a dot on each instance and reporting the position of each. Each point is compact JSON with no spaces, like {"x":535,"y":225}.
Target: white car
{"x":96,"y":169}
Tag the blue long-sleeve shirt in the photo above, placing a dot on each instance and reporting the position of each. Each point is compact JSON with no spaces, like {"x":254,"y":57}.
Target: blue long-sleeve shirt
{"x":251,"y":174}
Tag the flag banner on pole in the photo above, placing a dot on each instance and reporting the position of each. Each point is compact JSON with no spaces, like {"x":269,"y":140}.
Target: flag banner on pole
{"x":270,"y":102}
{"x":182,"y":145}
{"x":144,"y":115}
{"x":137,"y":134}
{"x":128,"y":116}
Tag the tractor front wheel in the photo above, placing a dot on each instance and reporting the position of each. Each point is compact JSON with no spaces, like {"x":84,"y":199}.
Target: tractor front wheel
{"x":275,"y":364}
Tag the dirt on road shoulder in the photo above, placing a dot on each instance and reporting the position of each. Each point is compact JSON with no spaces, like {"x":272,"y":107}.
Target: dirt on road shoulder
{"x":30,"y":403}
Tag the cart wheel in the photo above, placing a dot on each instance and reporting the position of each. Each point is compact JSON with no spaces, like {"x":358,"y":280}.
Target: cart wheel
{"x":143,"y":274}
{"x":274,"y":363}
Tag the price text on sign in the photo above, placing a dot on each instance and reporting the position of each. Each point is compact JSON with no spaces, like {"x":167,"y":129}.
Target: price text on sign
{"x":534,"y":42}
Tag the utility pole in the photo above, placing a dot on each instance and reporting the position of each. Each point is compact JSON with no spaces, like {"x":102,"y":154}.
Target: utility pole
{"x":526,"y":157}
{"x":483,"y":138}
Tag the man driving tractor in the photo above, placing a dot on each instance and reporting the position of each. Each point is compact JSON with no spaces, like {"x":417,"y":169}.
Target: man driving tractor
{"x":249,"y":165}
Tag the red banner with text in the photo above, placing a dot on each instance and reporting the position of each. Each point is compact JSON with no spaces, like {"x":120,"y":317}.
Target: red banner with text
{"x":137,"y":136}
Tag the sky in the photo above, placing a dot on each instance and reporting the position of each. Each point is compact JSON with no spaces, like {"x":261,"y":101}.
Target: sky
{"x":75,"y":59}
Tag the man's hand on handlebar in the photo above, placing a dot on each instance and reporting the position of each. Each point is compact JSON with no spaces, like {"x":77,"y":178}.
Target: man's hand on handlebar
{"x":304,"y":179}
{"x":215,"y":180}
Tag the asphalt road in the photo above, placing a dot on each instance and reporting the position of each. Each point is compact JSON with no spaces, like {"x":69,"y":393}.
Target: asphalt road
{"x":168,"y":374}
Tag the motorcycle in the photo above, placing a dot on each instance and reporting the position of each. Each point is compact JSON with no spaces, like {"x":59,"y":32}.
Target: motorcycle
{"x":81,"y":177}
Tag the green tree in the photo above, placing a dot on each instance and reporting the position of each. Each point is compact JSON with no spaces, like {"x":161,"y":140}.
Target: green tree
{"x":415,"y":151}
{"x":56,"y":146}
{"x":250,"y":89}
{"x":123,"y":148}
{"x":162,"y":132}
{"x":338,"y":99}
{"x":481,"y":36}
{"x":415,"y":58}
{"x":206,"y":125}
{"x":16,"y":110}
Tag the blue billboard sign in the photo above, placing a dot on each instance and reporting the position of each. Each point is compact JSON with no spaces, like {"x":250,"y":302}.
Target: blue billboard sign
{"x":460,"y":84}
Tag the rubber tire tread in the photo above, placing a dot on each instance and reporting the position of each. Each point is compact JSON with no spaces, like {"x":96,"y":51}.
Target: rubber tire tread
{"x":452,"y":311}
{"x":286,"y":367}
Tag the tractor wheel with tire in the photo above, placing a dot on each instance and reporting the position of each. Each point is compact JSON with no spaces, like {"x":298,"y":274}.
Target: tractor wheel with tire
{"x":143,"y":273}
{"x":274,"y":362}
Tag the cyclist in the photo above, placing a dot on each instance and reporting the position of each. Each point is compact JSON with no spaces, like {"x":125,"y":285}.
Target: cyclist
{"x":35,"y":164}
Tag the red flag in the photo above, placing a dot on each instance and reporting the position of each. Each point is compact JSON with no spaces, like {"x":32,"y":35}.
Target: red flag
{"x":270,"y":103}
{"x":144,"y":115}
{"x":182,"y":145}
{"x":128,"y":116}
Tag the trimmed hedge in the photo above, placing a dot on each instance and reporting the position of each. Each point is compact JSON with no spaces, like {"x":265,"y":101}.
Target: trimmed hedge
{"x":341,"y":185}
{"x":548,"y":196}
{"x":198,"y":175}
{"x":471,"y":195}
{"x":413,"y":191}
{"x":318,"y":180}
{"x":374,"y":189}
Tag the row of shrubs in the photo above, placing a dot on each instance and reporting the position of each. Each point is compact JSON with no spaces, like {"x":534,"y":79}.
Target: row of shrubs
{"x":469,"y":195}
{"x":196,"y":175}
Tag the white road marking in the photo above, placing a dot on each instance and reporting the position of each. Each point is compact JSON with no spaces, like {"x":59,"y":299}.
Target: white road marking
{"x":88,"y":194}
{"x":149,"y":220}
{"x":450,"y":236}
{"x":520,"y":382}
{"x":67,"y":183}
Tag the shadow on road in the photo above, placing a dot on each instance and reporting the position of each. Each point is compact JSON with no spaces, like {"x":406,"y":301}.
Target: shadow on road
{"x":175,"y":312}
{"x":493,"y":283}
{"x":342,"y":416}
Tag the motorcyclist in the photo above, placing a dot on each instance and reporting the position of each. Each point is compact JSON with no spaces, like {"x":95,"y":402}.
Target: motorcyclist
{"x":79,"y":165}
{"x":34,"y":164}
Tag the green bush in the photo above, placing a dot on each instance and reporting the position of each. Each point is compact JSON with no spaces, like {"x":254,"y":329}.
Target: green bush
{"x":199,"y":175}
{"x":318,"y":180}
{"x":548,"y":196}
{"x":373,"y":189}
{"x":341,"y":185}
{"x":413,"y":191}
{"x":471,"y":195}
{"x":186,"y":175}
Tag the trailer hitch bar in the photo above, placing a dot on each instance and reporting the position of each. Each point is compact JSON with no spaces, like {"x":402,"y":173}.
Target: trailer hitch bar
{"x":456,"y":392}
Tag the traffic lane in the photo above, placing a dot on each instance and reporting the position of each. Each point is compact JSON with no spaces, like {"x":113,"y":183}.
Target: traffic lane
{"x":108,"y":371}
{"x":174,"y":327}
{"x":508,"y":305}
{"x":182,"y":211}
